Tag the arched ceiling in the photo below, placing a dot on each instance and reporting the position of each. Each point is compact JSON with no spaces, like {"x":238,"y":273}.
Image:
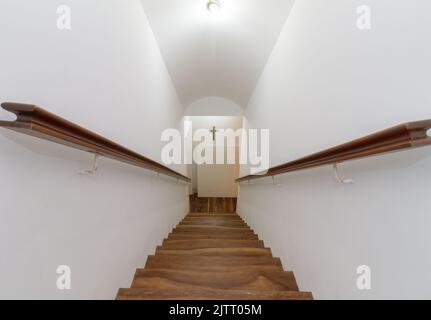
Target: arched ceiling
{"x":219,"y":54}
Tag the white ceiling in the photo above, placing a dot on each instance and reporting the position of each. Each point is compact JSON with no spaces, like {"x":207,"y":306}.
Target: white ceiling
{"x":216,"y":54}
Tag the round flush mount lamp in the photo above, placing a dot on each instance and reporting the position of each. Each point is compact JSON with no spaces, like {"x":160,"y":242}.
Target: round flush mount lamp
{"x":429,"y":133}
{"x":214,"y":6}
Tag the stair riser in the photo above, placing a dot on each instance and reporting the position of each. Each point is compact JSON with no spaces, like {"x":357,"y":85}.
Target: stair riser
{"x":212,"y":230}
{"x":190,"y":236}
{"x":189,"y":280}
{"x":202,"y":244}
{"x":213,"y":223}
{"x":246,"y":252}
{"x":213,"y":263}
{"x":213,"y":219}
{"x":213,"y":268}
{"x":190,"y":295}
{"x":203,"y":215}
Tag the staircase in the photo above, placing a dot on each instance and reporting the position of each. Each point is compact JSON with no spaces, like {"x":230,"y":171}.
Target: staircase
{"x":213,"y":257}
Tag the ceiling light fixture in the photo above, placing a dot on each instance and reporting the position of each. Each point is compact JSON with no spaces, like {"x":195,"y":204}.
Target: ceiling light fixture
{"x":214,"y":6}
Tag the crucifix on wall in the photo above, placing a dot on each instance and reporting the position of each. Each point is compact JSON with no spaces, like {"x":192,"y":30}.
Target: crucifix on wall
{"x":214,"y":132}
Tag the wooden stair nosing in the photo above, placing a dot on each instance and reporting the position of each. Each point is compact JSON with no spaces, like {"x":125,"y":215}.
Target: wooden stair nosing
{"x":210,"y":294}
{"x":214,"y":223}
{"x":203,"y":214}
{"x":210,"y":243}
{"x":213,"y":219}
{"x":224,"y":218}
{"x":212,"y":229}
{"x":217,"y":252}
{"x":222,"y":236}
{"x":259,"y":280}
{"x":183,"y":261}
{"x":221,"y":228}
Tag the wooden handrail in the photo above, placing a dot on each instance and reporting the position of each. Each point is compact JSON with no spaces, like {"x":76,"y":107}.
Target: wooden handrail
{"x":398,"y":138}
{"x":35,"y":121}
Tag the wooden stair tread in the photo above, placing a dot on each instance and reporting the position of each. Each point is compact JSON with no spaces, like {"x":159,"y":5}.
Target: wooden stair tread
{"x":212,"y":229}
{"x":209,"y":232}
{"x":212,"y":263}
{"x":221,"y":218}
{"x":217,"y":252}
{"x":206,"y":214}
{"x":227,"y":236}
{"x":215,"y":228}
{"x":210,"y":243}
{"x":210,"y":294}
{"x":214,"y":223}
{"x":233,"y":217}
{"x":260,"y":280}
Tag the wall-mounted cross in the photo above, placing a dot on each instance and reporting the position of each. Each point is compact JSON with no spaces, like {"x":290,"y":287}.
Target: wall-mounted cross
{"x":214,"y":131}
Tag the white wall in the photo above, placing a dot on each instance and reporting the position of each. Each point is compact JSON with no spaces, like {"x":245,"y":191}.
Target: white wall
{"x":328,"y":82}
{"x":105,"y":74}
{"x":214,"y":106}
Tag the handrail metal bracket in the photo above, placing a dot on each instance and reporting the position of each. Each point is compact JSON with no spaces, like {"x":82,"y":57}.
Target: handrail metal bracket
{"x":275,"y":183}
{"x":338,"y":178}
{"x":94,"y":169}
